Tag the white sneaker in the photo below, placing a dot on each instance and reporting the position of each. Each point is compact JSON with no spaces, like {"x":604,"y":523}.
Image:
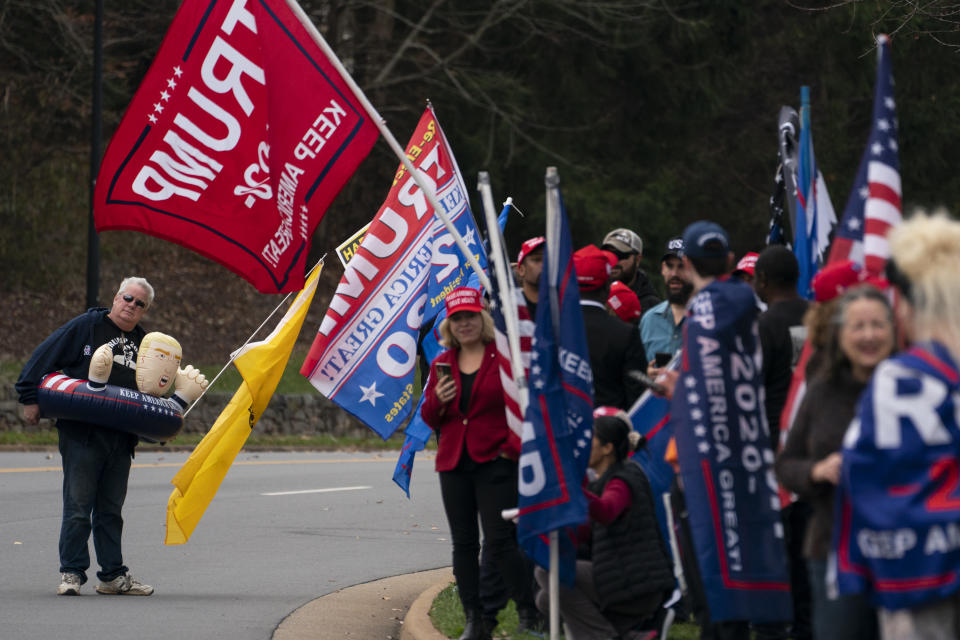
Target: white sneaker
{"x":69,"y":584}
{"x":124,"y":585}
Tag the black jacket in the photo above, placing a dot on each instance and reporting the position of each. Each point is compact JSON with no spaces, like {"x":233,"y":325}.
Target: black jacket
{"x":68,"y":349}
{"x":647,"y":295}
{"x":615,"y":348}
{"x":630,"y":558}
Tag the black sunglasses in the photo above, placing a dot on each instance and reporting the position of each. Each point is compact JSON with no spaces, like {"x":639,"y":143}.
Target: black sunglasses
{"x":129,"y":298}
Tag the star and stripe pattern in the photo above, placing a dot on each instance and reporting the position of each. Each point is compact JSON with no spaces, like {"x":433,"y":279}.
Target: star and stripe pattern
{"x":875,"y":203}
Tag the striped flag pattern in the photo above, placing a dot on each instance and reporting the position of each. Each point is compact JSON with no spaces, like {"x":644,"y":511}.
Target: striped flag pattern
{"x":873,"y":208}
{"x":511,"y":389}
{"x":875,"y":202}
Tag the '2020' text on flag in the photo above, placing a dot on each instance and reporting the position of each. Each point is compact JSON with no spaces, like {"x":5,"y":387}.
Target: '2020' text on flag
{"x":261,"y":364}
{"x":365,"y":352}
{"x":238,"y":139}
{"x":874,"y":205}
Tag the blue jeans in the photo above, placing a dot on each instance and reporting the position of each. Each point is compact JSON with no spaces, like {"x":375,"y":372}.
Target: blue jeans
{"x":849,"y":617}
{"x":96,"y":466}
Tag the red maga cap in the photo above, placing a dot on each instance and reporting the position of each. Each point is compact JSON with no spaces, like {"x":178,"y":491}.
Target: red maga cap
{"x":748,"y":263}
{"x":624,"y":302}
{"x":530,"y":245}
{"x":463,"y":299}
{"x":593,"y":267}
{"x":835,"y":278}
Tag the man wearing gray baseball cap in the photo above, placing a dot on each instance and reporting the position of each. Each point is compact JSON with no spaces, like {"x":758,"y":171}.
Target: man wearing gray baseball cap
{"x":628,"y":247}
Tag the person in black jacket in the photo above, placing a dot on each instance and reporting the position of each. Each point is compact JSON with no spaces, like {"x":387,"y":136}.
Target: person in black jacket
{"x":623,"y":574}
{"x":96,"y":460}
{"x":615,"y":346}
{"x":628,"y":248}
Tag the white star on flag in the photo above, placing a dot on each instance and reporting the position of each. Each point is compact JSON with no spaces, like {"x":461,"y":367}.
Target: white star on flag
{"x":696,"y":414}
{"x":370,"y":394}
{"x":700,"y":430}
{"x":703,"y":447}
{"x":888,"y":101}
{"x":177,"y":72}
{"x":535,"y":369}
{"x":690,"y":382}
{"x":468,"y":237}
{"x":853,"y":224}
{"x":152,"y":118}
{"x":876,"y":148}
{"x":693,"y":397}
{"x":164,"y":95}
{"x":538,"y":383}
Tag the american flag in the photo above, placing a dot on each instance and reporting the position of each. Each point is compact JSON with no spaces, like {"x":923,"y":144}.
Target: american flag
{"x":511,"y":387}
{"x":875,"y":201}
{"x":872,"y":209}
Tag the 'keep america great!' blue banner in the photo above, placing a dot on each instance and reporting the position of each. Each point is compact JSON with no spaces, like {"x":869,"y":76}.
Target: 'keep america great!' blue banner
{"x":723,"y":444}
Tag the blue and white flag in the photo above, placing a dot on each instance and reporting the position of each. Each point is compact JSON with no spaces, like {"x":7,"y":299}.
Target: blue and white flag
{"x":726,"y":463}
{"x":558,"y":428}
{"x":896,"y":534}
{"x":365,"y":352}
{"x":815,"y":214}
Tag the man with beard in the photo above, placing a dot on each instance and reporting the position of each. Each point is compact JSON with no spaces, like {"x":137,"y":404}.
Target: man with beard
{"x":628,"y":248}
{"x":661,"y":328}
{"x":529,"y":266}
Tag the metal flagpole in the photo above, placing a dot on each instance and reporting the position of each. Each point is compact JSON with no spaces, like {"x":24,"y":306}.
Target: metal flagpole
{"x":233,"y":356}
{"x":391,"y":141}
{"x":552,"y":235}
{"x":508,"y":304}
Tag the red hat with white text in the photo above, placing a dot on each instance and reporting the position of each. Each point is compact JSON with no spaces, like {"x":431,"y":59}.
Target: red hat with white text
{"x":529,"y":247}
{"x":463,"y":299}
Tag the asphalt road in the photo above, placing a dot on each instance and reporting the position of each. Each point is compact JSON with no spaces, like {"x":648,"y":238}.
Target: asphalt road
{"x":331,"y":520}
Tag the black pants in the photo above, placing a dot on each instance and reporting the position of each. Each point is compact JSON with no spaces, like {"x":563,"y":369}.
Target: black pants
{"x":484,"y":489}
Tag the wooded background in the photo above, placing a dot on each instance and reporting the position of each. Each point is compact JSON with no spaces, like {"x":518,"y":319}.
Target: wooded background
{"x":656,"y":113}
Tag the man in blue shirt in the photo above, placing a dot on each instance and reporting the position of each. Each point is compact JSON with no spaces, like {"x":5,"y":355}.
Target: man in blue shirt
{"x":661,"y":328}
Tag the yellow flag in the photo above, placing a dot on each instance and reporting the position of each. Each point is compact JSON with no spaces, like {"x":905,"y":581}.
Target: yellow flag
{"x":261,"y":364}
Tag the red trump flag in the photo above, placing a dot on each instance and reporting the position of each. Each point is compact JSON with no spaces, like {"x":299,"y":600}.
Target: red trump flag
{"x":238,"y":139}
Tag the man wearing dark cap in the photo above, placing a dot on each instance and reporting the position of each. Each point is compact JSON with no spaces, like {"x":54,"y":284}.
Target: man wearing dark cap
{"x":661,"y":328}
{"x":723,"y":439}
{"x":628,"y":248}
{"x":614,"y":346}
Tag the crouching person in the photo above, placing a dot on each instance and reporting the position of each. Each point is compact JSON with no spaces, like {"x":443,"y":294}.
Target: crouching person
{"x":623,"y":572}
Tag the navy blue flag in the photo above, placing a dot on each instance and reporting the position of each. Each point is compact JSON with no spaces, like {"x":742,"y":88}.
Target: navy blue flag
{"x":558,"y":428}
{"x":896,"y":530}
{"x":650,"y":416}
{"x":723,"y":445}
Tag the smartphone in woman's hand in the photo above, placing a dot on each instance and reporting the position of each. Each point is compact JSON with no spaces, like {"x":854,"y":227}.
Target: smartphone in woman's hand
{"x":443,"y":371}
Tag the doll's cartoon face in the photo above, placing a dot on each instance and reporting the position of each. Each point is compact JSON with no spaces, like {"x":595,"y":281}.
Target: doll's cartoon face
{"x":157,"y":363}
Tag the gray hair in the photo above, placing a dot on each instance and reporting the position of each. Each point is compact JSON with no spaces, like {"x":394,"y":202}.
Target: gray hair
{"x":141,"y":282}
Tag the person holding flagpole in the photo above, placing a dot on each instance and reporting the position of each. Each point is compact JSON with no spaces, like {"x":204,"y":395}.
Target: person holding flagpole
{"x":476,"y":457}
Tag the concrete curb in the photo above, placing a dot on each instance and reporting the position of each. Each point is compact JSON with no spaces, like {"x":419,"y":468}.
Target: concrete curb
{"x":417,"y":624}
{"x":381,"y":609}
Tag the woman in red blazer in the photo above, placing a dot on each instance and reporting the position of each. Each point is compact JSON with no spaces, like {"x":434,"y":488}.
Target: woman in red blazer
{"x":477,"y":455}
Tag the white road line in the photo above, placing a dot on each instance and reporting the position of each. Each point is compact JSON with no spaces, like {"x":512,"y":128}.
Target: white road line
{"x":294,"y":493}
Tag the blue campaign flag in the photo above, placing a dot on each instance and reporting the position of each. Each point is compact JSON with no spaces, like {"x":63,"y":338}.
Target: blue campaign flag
{"x":364,"y":355}
{"x":896,"y":530}
{"x":726,"y":463}
{"x":650,"y":416}
{"x":557,"y":429}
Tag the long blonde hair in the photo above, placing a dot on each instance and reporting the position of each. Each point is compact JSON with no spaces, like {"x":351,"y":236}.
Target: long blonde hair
{"x":926,"y":250}
{"x":446,"y":335}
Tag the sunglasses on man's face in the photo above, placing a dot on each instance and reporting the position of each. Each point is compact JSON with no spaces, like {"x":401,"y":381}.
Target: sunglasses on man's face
{"x":129,"y":298}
